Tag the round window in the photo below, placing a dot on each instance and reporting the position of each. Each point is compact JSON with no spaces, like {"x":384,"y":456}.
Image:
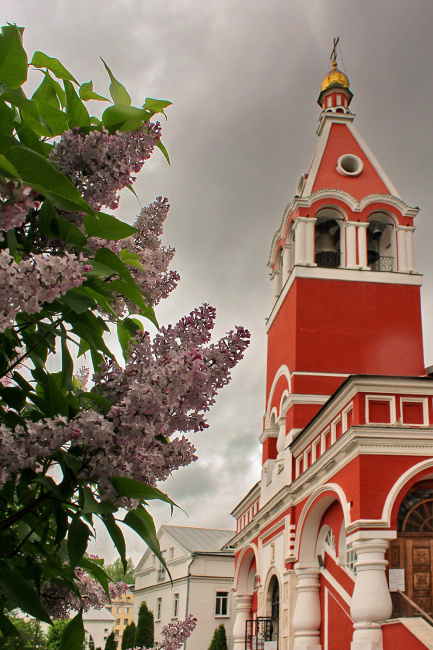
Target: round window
{"x":349,"y":165}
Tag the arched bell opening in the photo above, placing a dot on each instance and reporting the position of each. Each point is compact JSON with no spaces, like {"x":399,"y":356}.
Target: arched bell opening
{"x":410,"y":556}
{"x":381,"y":242}
{"x":328,"y":239}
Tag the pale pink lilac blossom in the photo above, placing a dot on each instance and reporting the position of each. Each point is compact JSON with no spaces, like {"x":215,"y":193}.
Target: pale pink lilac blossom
{"x":174,"y":634}
{"x":101,"y":164}
{"x":153,"y":278}
{"x":26,"y":285}
{"x":60,"y":601}
{"x":16,"y":201}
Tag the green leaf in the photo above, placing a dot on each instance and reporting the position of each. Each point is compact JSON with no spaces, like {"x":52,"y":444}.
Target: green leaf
{"x":133,"y":259}
{"x":142,"y":523}
{"x":20,"y":593}
{"x":116,"y":535}
{"x":67,"y":364}
{"x":118,"y":92}
{"x":78,"y":537}
{"x":98,"y":399}
{"x":86,"y":93}
{"x":52,"y":118}
{"x":79,"y":115}
{"x":124,"y":118}
{"x":129,"y":292}
{"x":132,"y":489}
{"x":45,"y":177}
{"x":47,"y":91}
{"x":91,"y":505}
{"x":109,"y":258}
{"x":13,"y":397}
{"x":107,"y":227}
{"x":13,"y":58}
{"x":97,"y":572}
{"x":41,"y":60}
{"x":73,"y":634}
{"x":164,"y":151}
{"x":78,"y":302}
{"x":8,"y":170}
{"x":156,"y":105}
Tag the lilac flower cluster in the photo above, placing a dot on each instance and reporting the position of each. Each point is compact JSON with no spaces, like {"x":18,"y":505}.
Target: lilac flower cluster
{"x":166,"y":387}
{"x":100,"y":164}
{"x":60,"y":601}
{"x":27,"y":284}
{"x":16,"y":202}
{"x":174,"y":634}
{"x":153,"y":278}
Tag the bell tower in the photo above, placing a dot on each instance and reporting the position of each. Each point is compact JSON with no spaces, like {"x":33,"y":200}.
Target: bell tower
{"x":345,"y":292}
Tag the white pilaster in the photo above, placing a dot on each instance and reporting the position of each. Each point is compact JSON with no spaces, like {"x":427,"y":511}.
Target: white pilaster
{"x":402,"y":249}
{"x":306,"y":617}
{"x":409,"y":248}
{"x":371,"y":601}
{"x":310,"y":242}
{"x":362,"y":245}
{"x":287,"y":253}
{"x":275,"y":285}
{"x":351,"y":245}
{"x":243,"y":614}
{"x":300,"y":240}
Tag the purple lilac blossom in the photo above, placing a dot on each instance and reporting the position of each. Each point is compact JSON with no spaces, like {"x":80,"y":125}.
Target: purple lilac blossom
{"x":174,"y":634}
{"x":16,"y":201}
{"x":100,"y":164}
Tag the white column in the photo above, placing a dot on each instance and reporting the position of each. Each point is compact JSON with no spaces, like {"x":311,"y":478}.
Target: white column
{"x":409,"y":248}
{"x":306,"y":617}
{"x":371,"y":601}
{"x":275,"y":285}
{"x":402,"y":249}
{"x":351,"y":245}
{"x":310,"y":242}
{"x":243,"y":614}
{"x":300,"y":240}
{"x":286,"y":263}
{"x":362,"y":245}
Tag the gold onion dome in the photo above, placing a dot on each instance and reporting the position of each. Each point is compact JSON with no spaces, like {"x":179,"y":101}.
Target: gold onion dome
{"x":335,"y":78}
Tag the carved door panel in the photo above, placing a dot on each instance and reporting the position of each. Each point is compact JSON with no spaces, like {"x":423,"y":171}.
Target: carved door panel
{"x":415,"y":556}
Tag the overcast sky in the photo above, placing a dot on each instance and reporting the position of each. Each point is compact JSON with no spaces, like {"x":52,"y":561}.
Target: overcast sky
{"x":244,"y":77}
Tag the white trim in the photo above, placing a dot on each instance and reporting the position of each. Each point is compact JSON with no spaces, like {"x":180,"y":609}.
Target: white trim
{"x":283,"y":371}
{"x":336,"y":585}
{"x":398,"y":486}
{"x":373,"y":160}
{"x":317,"y":157}
{"x":344,"y":414}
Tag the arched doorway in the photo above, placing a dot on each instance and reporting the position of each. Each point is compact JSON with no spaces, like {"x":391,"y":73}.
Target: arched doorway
{"x":410,"y":556}
{"x":274,"y":593}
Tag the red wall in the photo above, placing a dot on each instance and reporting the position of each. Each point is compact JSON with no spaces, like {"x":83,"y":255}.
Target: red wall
{"x":347,"y":327}
{"x":397,"y":636}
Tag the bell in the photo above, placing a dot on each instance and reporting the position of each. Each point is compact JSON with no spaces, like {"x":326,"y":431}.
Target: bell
{"x":325,"y":242}
{"x":327,"y":251}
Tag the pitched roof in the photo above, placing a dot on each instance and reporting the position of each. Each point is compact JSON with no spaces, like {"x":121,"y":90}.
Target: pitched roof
{"x":98,"y":615}
{"x":199,"y":539}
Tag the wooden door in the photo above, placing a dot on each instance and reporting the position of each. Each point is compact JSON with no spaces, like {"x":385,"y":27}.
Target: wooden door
{"x":414,"y":554}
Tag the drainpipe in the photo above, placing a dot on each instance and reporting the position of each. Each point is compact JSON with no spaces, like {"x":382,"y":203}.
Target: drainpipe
{"x":187,"y":591}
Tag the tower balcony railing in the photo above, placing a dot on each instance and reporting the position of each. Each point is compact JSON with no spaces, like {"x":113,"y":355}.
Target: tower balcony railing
{"x":328,"y":259}
{"x":382,"y":263}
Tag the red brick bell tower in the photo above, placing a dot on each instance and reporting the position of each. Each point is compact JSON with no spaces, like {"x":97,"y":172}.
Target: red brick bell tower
{"x":334,"y":544}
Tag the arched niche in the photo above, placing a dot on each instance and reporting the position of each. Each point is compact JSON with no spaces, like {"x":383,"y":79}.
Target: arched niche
{"x":272,"y":607}
{"x":329,"y":240}
{"x":381,"y":242}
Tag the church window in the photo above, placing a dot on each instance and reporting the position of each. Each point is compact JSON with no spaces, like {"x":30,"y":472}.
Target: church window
{"x":330,"y":539}
{"x":351,"y":557}
{"x":158,"y":608}
{"x":176,"y":605}
{"x":221,"y":603}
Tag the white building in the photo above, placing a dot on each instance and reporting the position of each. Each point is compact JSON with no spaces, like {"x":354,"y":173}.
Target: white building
{"x":98,"y":623}
{"x":202,"y":571}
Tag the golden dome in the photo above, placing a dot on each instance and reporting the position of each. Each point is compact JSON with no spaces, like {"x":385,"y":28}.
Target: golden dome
{"x":335,"y":78}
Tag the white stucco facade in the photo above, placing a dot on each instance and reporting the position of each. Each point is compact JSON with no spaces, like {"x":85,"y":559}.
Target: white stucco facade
{"x":202,"y":580}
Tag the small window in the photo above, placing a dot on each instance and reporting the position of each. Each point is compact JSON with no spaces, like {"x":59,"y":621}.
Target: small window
{"x":158,"y":608}
{"x":116,"y":632}
{"x":330,"y":539}
{"x":119,"y":609}
{"x":221,"y":603}
{"x":128,"y":599}
{"x":125,"y":621}
{"x":105,"y":630}
{"x":172,"y":553}
{"x":118,"y":621}
{"x":176,"y":606}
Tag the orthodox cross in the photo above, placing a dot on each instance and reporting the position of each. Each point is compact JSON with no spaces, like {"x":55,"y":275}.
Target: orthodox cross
{"x":334,"y":50}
